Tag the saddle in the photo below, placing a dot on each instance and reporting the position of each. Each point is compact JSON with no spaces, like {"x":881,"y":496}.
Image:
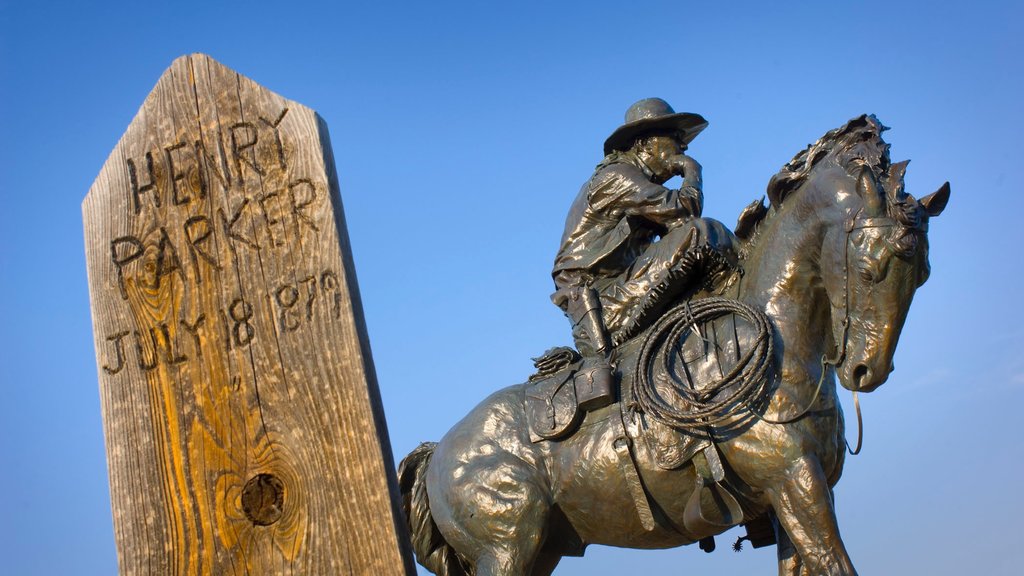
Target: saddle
{"x":553,"y":412}
{"x":552,"y":402}
{"x":553,"y":397}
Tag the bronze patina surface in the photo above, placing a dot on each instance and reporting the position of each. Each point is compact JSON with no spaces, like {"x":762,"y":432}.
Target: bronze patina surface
{"x":722,"y":354}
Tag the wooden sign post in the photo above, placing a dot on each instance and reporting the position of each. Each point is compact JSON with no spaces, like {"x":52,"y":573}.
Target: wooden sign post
{"x":244,"y":428}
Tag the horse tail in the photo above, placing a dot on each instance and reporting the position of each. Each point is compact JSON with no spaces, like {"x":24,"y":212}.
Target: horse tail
{"x":432,"y":550}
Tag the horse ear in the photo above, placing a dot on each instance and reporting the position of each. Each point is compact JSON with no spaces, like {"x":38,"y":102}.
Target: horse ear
{"x":896,"y":174}
{"x":935,"y":202}
{"x":868,"y":191}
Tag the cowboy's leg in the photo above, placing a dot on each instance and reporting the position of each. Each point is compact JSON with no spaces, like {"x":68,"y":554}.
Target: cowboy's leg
{"x":657,"y":277}
{"x":594,"y":381}
{"x":717,"y":236}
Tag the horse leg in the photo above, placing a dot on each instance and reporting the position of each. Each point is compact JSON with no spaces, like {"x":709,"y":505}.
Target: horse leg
{"x":510,"y":542}
{"x":500,"y":514}
{"x":789,"y":560}
{"x":803,"y":504}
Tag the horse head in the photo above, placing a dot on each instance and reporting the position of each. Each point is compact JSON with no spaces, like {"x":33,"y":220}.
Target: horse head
{"x":873,"y":262}
{"x":873,"y":241}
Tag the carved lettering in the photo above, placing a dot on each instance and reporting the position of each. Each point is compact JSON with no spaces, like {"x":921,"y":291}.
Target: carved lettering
{"x":296,"y":301}
{"x":287,"y":297}
{"x":176,"y":177}
{"x":197,"y":232}
{"x":277,"y":137}
{"x":244,"y":136}
{"x":169,"y":354}
{"x":206,"y":176}
{"x":146,"y":364}
{"x":266,"y":202}
{"x":232,"y":233}
{"x":293,"y":305}
{"x":310,"y":283}
{"x":167,"y":261}
{"x":302,"y":193}
{"x":118,"y":351}
{"x":215,"y":165}
{"x":226,"y":328}
{"x":170,"y":358}
{"x":122,"y":251}
{"x":329,"y":281}
{"x":193,"y":330}
{"x":242,"y":330}
{"x":214,"y":219}
{"x":137,"y":189}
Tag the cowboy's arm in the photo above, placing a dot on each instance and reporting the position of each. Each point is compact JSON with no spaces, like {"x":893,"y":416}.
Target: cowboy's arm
{"x":665,"y":206}
{"x":622,"y":190}
{"x":691,"y":192}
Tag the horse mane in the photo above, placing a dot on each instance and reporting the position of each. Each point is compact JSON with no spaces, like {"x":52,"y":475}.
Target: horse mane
{"x":856,"y":145}
{"x":858,"y":142}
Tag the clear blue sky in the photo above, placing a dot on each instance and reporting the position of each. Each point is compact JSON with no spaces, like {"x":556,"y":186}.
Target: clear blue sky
{"x":462,"y":132}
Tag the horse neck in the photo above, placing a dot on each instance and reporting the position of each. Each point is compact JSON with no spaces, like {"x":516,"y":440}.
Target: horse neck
{"x":783,"y":276}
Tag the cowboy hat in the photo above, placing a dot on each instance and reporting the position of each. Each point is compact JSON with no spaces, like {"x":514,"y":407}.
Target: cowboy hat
{"x":654,"y":115}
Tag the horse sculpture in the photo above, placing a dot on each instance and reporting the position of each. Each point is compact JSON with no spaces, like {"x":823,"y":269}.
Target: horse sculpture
{"x":832,"y":265}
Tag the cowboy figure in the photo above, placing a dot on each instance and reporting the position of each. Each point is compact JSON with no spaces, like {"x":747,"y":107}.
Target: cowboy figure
{"x":630,"y":244}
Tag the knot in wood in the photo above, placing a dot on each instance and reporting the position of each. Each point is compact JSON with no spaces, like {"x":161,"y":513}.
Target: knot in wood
{"x":263,"y":499}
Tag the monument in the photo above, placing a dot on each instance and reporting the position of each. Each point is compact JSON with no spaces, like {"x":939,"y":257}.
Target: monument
{"x":245,"y":432}
{"x":244,"y":429}
{"x":703,"y":392}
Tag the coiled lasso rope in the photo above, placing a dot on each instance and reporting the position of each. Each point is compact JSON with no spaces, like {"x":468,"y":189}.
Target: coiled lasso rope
{"x":746,"y":384}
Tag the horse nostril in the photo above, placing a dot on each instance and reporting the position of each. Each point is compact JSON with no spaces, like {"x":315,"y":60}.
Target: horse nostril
{"x":860,"y":373}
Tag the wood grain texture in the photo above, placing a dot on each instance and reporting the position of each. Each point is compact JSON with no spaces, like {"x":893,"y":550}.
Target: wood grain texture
{"x":244,"y":428}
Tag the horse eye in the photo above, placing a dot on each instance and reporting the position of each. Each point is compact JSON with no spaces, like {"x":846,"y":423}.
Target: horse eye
{"x":872,"y":272}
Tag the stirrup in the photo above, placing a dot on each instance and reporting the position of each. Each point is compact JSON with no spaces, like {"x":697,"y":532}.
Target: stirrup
{"x":711,"y":508}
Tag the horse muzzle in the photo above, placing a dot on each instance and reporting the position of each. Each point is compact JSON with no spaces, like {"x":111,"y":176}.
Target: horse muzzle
{"x":862,"y":376}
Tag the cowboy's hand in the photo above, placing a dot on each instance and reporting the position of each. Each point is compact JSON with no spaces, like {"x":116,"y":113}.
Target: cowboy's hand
{"x":686,"y":167}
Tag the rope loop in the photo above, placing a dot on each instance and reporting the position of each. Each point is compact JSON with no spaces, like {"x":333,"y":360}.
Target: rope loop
{"x":744,"y":388}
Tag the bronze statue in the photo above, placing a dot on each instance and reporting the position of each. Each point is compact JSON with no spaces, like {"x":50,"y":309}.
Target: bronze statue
{"x":725,"y":408}
{"x":630,"y":244}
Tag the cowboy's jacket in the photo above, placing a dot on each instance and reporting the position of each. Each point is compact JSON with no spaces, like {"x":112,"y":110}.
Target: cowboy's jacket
{"x":617,"y":214}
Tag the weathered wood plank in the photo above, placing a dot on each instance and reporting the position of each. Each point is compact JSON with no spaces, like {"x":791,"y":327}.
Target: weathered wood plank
{"x":244,"y":428}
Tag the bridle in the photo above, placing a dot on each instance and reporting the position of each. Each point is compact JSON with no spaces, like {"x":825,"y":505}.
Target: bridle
{"x":851,"y":224}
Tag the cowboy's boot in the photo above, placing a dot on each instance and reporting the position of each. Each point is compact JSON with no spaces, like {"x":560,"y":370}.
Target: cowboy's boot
{"x":594,"y":382}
